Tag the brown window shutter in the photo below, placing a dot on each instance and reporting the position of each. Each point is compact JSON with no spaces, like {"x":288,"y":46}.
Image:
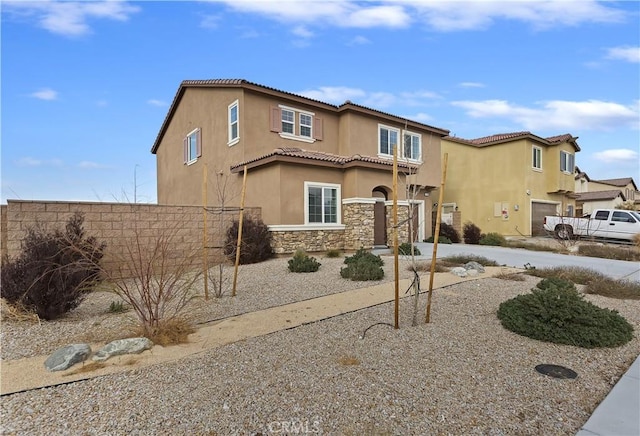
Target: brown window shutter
{"x":317,"y":128}
{"x":199,"y":143}
{"x":185,"y":149}
{"x":276,"y":119}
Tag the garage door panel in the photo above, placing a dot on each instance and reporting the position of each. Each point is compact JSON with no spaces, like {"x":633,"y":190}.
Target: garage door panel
{"x":538,"y":212}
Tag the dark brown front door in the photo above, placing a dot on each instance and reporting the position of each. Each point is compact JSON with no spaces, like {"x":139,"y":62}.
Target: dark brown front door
{"x":379,"y":223}
{"x":415,"y":224}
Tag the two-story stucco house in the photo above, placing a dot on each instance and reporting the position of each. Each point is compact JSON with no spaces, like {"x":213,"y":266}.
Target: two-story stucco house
{"x":507,"y":183}
{"x":604,"y":194}
{"x":321,"y":173}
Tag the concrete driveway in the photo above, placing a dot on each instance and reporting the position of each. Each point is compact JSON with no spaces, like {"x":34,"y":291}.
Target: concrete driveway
{"x":518,"y":258}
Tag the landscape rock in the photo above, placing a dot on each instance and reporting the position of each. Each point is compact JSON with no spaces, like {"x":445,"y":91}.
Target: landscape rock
{"x":473,"y":272}
{"x":66,"y":357}
{"x":459,"y":271}
{"x":123,"y":346}
{"x":474,"y":266}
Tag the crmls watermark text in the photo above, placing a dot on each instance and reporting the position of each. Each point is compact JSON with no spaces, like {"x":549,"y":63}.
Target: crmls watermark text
{"x":295,"y":426}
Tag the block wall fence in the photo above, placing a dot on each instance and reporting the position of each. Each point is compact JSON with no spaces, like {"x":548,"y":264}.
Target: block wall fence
{"x":117,"y":224}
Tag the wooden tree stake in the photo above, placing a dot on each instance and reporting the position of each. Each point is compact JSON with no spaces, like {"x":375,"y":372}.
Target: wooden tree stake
{"x":435,"y":237}
{"x":241,"y":219}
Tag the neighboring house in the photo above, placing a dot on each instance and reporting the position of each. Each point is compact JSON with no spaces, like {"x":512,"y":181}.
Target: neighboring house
{"x":507,"y":183}
{"x":604,"y":194}
{"x":322,"y":174}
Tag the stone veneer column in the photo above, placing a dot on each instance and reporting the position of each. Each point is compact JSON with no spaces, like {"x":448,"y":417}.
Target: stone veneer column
{"x":358,"y":218}
{"x":403,"y":229}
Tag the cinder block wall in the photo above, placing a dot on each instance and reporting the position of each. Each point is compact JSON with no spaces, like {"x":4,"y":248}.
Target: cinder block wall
{"x":120,"y":224}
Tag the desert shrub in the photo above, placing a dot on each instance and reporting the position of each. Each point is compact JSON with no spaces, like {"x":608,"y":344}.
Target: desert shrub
{"x":608,"y":251}
{"x":363,"y":266}
{"x":493,"y":239}
{"x":471,"y":233}
{"x":302,"y":263}
{"x":405,"y":249}
{"x":117,"y":307}
{"x":54,"y":271}
{"x":555,"y":312}
{"x":636,"y":240}
{"x":449,"y":232}
{"x":334,"y":253}
{"x":441,"y":240}
{"x":255,"y":245}
{"x":461,"y":259}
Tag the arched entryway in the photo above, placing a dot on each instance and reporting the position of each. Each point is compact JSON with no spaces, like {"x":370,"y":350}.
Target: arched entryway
{"x":379,"y":193}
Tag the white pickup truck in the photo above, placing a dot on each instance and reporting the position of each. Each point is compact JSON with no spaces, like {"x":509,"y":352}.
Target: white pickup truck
{"x":601,"y":223}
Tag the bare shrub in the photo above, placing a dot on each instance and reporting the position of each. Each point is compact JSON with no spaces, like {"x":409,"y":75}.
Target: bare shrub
{"x":156,"y":276}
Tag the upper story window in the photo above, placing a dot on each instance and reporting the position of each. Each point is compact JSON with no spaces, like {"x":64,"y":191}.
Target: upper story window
{"x":536,"y":161}
{"x":192,"y":146}
{"x":412,"y":147}
{"x":322,"y":203}
{"x":387,"y":139}
{"x":234,"y":131}
{"x":296,"y":124}
{"x":567,"y":162}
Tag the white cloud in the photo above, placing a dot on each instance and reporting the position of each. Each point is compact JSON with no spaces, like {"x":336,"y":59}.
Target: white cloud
{"x":359,"y":40}
{"x":437,"y":15}
{"x":45,"y":94}
{"x":210,"y":21}
{"x":33,"y":162}
{"x":471,"y":85}
{"x":379,"y":100}
{"x":336,"y":13}
{"x":69,"y":18}
{"x":159,"y":103}
{"x":625,"y":53}
{"x":558,"y":114}
{"x":334,"y":94}
{"x":616,"y":156}
{"x":88,"y":165}
{"x":302,"y":32}
{"x":420,"y":116}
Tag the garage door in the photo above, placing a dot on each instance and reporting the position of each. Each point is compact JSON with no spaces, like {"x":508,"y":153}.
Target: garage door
{"x":538,"y":212}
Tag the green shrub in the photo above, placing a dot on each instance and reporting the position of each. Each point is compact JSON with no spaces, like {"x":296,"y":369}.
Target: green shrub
{"x":449,"y":232}
{"x":363,"y":266}
{"x":256,"y":241}
{"x":54,"y":271}
{"x":333,"y":253}
{"x":493,"y":239}
{"x":471,"y":233}
{"x":556,"y":312}
{"x":405,"y":249}
{"x":441,"y":240}
{"x":117,"y":307}
{"x":302,"y":263}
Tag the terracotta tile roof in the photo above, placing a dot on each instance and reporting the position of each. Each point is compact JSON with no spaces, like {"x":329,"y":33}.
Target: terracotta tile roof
{"x":319,"y":156}
{"x":505,"y":137}
{"x":600,"y":195}
{"x":241,"y":83}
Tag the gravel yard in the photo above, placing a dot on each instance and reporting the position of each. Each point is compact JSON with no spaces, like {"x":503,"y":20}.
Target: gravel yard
{"x":461,"y":374}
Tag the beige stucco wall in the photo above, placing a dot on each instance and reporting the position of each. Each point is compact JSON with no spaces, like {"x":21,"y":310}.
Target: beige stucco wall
{"x":479,"y":179}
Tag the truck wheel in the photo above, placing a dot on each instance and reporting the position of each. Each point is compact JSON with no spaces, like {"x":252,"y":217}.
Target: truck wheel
{"x":564,"y":232}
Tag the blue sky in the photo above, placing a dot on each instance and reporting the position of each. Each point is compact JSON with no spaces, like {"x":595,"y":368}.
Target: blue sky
{"x":86,"y":85}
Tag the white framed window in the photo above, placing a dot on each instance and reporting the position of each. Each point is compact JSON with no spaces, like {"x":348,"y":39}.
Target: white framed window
{"x":192,"y":146}
{"x":536,"y":160}
{"x":288,"y":121}
{"x":296,"y":124}
{"x":322,"y":203}
{"x":234,"y":123}
{"x":306,"y":125}
{"x":567,"y":162}
{"x":412,"y":146}
{"x":387,"y":139}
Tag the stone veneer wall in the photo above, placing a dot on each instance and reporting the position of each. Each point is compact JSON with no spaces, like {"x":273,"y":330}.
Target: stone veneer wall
{"x":286,"y":242}
{"x":357,"y":218}
{"x":116,"y":224}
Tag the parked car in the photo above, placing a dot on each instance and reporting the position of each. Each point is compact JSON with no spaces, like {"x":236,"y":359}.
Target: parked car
{"x":601,"y":223}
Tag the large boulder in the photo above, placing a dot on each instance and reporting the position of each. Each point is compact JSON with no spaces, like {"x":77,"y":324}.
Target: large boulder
{"x":66,"y":357}
{"x":123,"y":346}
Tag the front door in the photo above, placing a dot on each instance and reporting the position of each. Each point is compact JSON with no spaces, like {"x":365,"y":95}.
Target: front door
{"x":379,"y":223}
